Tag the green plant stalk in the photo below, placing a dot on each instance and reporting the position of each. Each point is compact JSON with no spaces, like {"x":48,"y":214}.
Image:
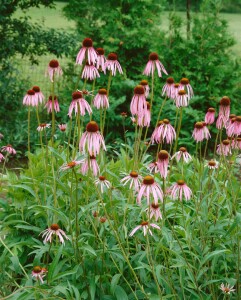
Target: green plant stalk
{"x":77,"y":229}
{"x":160,"y":111}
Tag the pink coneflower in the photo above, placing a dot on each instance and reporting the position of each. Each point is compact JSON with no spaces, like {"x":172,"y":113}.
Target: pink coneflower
{"x":101,"y":59}
{"x":156,"y":137}
{"x":86,"y":93}
{"x":101,"y":99}
{"x":230,"y":120}
{"x":70,"y":165}
{"x":112,"y":64}
{"x":175,"y":90}
{"x":30,"y":99}
{"x":221,"y":121}
{"x":79,"y":105}
{"x":103,"y":183}
{"x":185,"y":85}
{"x":153,"y":167}
{"x":224,"y":148}
{"x":9,"y":149}
{"x":154,"y":63}
{"x":224,"y":108}
{"x":54,"y":229}
{"x":168,"y":88}
{"x":235,"y":127}
{"x":180,"y":189}
{"x":181,"y":99}
{"x":90,"y":72}
{"x":49,"y":104}
{"x":134,"y":179}
{"x":210,"y":116}
{"x":154,"y":211}
{"x":39,"y":95}
{"x":206,"y":132}
{"x":138,"y":102}
{"x":144,"y":83}
{"x":144,"y":119}
{"x":182,"y":154}
{"x":212,"y":164}
{"x":162,"y":163}
{"x":146,"y":228}
{"x":92,"y":138}
{"x":150,"y":188}
{"x":54,"y":69}
{"x":38,"y":273}
{"x":238,"y":143}
{"x":200,"y":132}
{"x":87,"y":48}
{"x":1,"y":157}
{"x":167,"y":132}
{"x":90,"y":164}
{"x":227,"y":289}
{"x":62,"y":127}
{"x":43,"y":126}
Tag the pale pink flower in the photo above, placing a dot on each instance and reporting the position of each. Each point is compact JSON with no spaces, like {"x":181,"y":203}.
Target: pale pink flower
{"x":112,"y":64}
{"x":101,"y":99}
{"x":231,"y":119}
{"x":234,"y":129}
{"x":54,"y":69}
{"x":39,"y":273}
{"x":87,"y":49}
{"x":101,"y":59}
{"x":134,"y":179}
{"x":238,"y":143}
{"x":39,"y":95}
{"x":70,"y":165}
{"x":185,"y":85}
{"x":212,"y":164}
{"x":206,"y":132}
{"x":43,"y":126}
{"x":154,"y":211}
{"x":162,"y":163}
{"x":54,"y":229}
{"x":175,"y":90}
{"x":79,"y":105}
{"x":150,"y":188}
{"x":103,"y":183}
{"x":200,"y":132}
{"x":168,"y":88}
{"x":90,"y":164}
{"x":166,"y":132}
{"x":180,"y":189}
{"x":224,"y":108}
{"x":146,"y":228}
{"x":153,"y":167}
{"x":182,"y":154}
{"x":49,"y":105}
{"x":210,"y":116}
{"x":144,"y":83}
{"x":62,"y":127}
{"x":1,"y":157}
{"x":154,"y":63}
{"x":181,"y":99}
{"x":138,"y":102}
{"x":90,"y":72}
{"x":156,"y":136}
{"x":9,"y":149}
{"x":227,"y":289}
{"x":86,"y":93}
{"x":144,"y":118}
{"x":92,"y":138}
{"x":221,"y":121}
{"x":224,"y":148}
{"x":30,"y":99}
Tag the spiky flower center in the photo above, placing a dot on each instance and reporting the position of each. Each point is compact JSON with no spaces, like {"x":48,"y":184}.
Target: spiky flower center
{"x":159,"y":123}
{"x":102,"y":178}
{"x":233,"y":120}
{"x":239,"y":139}
{"x":102,"y":92}
{"x":166,"y":121}
{"x":102,"y":219}
{"x":76,"y":95}
{"x":95,"y":214}
{"x":184,"y":81}
{"x":170,"y":80}
{"x":204,"y":124}
{"x":43,"y":125}
{"x":238,"y":118}
{"x":199,"y":125}
{"x":87,"y":42}
{"x":226,"y":142}
{"x":133,"y":174}
{"x":148,"y":105}
{"x":112,"y":56}
{"x":180,"y":182}
{"x":144,"y":223}
{"x":100,"y":51}
{"x":181,"y":92}
{"x":71,"y":164}
{"x":225,"y":101}
{"x":232,"y":116}
{"x":54,"y":227}
{"x":148,"y":180}
{"x":36,"y":89}
{"x":163,"y":154}
{"x":144,"y":82}
{"x":153,"y":56}
{"x":211,"y":110}
{"x":176,"y":85}
{"x":154,"y":206}
{"x":51,"y":98}
{"x":124,"y":114}
{"x":212,"y":163}
{"x":54,"y":64}
{"x":139,"y":90}
{"x":31,"y":92}
{"x":37,"y":269}
{"x":92,"y":157}
{"x":92,"y":126}
{"x":183,"y":149}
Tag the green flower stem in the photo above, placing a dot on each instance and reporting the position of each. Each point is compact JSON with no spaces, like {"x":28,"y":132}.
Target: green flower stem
{"x":77,"y":229}
{"x":160,"y":111}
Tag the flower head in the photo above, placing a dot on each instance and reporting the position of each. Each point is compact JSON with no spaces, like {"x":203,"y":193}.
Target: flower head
{"x":181,"y":99}
{"x":144,"y":83}
{"x":150,"y":188}
{"x":90,"y":72}
{"x":168,"y":88}
{"x":62,"y":127}
{"x":146,"y":228}
{"x":70,"y":165}
{"x":112,"y":64}
{"x":30,"y":99}
{"x":79,"y":105}
{"x":134,"y":179}
{"x":162,"y":163}
{"x":9,"y":149}
{"x":39,"y":95}
{"x":227,"y":289}
{"x":101,"y":99}
{"x":210,"y":116}
{"x":101,"y":59}
{"x":224,"y":148}
{"x":87,"y":48}
{"x":154,"y":63}
{"x":138,"y":102}
{"x":144,"y":119}
{"x":39,"y":273}
{"x":185,"y":85}
{"x":54,"y":229}
{"x":200,"y":132}
{"x":178,"y":189}
{"x":212,"y":164}
{"x":155,"y":212}
{"x":54,"y":69}
{"x":50,"y":103}
{"x":182,"y":154}
{"x":43,"y":126}
{"x":90,"y":164}
{"x":103,"y":183}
